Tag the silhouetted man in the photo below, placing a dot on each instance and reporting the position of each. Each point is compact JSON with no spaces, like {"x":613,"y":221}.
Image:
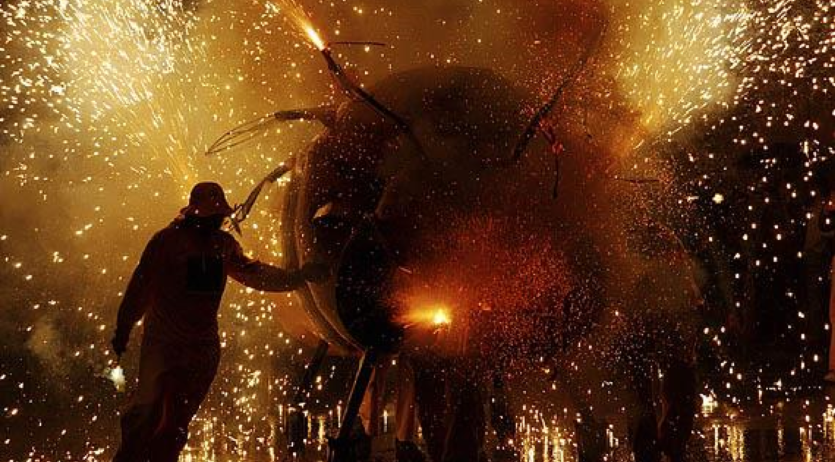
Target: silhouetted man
{"x":177,"y":288}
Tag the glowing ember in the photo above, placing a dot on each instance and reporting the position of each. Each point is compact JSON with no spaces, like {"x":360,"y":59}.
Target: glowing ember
{"x":709,"y":404}
{"x":314,"y":36}
{"x":428,"y":315}
{"x":106,"y":107}
{"x":441,"y":317}
{"x":117,"y":376}
{"x":301,"y":19}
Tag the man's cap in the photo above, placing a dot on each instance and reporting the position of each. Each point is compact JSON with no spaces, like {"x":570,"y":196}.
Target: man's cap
{"x":206,"y":200}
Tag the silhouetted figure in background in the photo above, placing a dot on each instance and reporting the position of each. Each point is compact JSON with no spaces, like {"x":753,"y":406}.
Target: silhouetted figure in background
{"x":177,"y":288}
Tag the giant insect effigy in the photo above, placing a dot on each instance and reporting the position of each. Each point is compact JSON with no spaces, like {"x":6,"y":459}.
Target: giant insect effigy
{"x":434,"y":204}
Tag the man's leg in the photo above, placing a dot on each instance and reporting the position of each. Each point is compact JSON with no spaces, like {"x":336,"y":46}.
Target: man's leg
{"x":183,"y":391}
{"x":138,"y":425}
{"x":171,"y":435}
{"x":141,"y":419}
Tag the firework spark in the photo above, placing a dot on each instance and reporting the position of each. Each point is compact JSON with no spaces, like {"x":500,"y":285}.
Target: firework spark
{"x":106,"y":107}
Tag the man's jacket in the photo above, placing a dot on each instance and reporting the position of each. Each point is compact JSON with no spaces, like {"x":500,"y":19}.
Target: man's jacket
{"x":180,"y":279}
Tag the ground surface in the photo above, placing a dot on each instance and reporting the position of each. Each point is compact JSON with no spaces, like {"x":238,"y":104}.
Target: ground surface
{"x":785,"y":430}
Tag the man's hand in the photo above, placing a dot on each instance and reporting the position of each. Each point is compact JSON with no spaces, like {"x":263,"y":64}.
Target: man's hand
{"x":315,"y":272}
{"x":119,"y":343}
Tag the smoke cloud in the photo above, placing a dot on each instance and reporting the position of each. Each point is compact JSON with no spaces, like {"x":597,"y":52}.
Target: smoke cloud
{"x":106,"y":108}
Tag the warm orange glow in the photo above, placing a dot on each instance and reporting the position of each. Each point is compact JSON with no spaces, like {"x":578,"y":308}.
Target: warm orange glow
{"x":441,"y":317}
{"x":433,"y":314}
{"x":314,"y":36}
{"x":297,"y":14}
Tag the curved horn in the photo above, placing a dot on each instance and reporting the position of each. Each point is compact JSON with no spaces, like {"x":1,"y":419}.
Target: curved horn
{"x":242,"y":210}
{"x":249,"y":130}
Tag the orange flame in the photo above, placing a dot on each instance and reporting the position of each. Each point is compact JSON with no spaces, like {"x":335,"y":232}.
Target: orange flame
{"x":441,"y":317}
{"x":314,"y":36}
{"x":436,"y":315}
{"x":298,"y":16}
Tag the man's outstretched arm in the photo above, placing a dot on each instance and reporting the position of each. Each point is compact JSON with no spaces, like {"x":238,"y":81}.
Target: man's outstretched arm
{"x":261,"y":276}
